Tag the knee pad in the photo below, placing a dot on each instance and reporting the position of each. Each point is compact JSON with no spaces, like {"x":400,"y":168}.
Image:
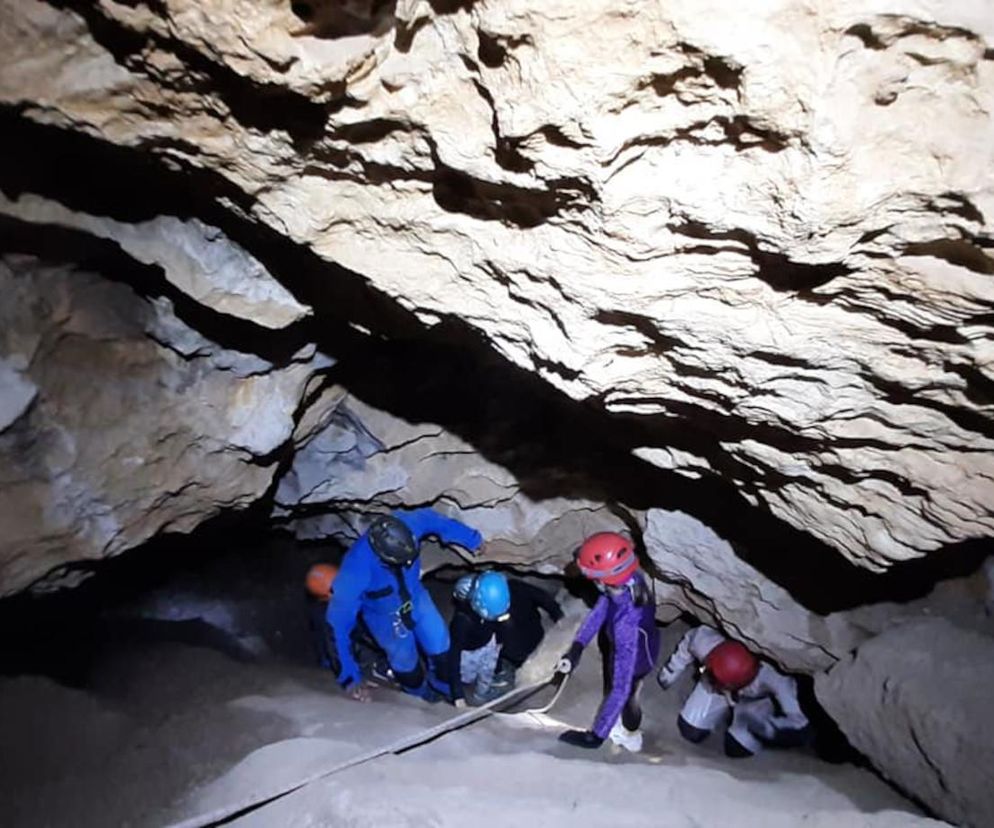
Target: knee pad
{"x":689,"y":732}
{"x":734,"y":749}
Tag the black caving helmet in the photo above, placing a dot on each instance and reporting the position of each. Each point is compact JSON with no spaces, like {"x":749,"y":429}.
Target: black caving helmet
{"x":392,"y":541}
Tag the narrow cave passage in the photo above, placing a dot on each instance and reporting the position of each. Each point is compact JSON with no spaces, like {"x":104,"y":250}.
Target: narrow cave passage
{"x":181,"y":677}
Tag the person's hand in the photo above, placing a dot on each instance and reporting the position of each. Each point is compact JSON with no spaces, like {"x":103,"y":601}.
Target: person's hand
{"x":357,"y":691}
{"x":557,"y":616}
{"x":666,"y":680}
{"x":581,"y":738}
{"x":567,"y":664}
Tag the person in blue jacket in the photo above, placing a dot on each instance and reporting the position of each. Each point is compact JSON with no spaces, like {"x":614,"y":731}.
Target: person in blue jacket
{"x":380,"y":579}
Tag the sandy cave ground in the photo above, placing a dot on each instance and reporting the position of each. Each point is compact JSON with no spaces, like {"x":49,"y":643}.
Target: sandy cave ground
{"x":164,"y":731}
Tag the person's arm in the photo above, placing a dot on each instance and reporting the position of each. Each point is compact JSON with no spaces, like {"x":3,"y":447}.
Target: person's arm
{"x":424,"y":522}
{"x":343,"y":610}
{"x":681,"y":659}
{"x":625,"y":653}
{"x":588,"y":629}
{"x":592,"y":623}
{"x":784,"y":690}
{"x":538,"y":596}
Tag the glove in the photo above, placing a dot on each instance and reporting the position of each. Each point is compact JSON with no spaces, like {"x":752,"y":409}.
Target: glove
{"x":571,"y":658}
{"x":557,"y":616}
{"x":348,"y":680}
{"x":581,"y":738}
{"x":666,"y":680}
{"x":459,"y":704}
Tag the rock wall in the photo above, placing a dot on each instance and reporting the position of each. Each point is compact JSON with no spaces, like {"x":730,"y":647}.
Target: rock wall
{"x":764,"y":234}
{"x":917,"y":700}
{"x":120,"y":422}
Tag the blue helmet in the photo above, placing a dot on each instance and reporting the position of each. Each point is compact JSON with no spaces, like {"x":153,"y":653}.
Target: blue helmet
{"x":463,"y":587}
{"x":490,"y":596}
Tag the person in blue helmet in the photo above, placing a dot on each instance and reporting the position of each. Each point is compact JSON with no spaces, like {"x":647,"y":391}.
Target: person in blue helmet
{"x":380,"y":580}
{"x":482,"y":608}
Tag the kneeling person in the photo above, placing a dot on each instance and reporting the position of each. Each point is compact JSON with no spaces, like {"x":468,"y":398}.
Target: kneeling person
{"x":760,"y":701}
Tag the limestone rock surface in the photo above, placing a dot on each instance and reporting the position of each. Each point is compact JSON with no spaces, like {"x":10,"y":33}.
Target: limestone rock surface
{"x":703,"y":574}
{"x":916,"y":699}
{"x":199,"y":260}
{"x":120,"y":422}
{"x":764,"y":235}
{"x":361,"y":460}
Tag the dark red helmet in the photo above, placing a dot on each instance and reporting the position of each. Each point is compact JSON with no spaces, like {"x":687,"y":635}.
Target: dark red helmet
{"x":607,"y":557}
{"x":731,"y":665}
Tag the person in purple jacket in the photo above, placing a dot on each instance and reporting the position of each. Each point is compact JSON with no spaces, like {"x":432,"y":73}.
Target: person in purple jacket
{"x":628,"y":615}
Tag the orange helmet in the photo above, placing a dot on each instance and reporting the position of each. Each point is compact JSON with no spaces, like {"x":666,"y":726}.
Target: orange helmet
{"x":607,"y":557}
{"x":319,"y":579}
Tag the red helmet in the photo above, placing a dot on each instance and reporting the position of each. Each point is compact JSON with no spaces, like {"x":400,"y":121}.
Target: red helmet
{"x":607,"y":557}
{"x":320,"y":577}
{"x":731,"y":665}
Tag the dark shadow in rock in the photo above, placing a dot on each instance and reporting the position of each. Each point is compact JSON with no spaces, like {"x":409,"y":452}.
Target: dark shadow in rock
{"x":231,"y":586}
{"x":493,"y":49}
{"x":957,"y":252}
{"x":333,"y":19}
{"x":62,"y":245}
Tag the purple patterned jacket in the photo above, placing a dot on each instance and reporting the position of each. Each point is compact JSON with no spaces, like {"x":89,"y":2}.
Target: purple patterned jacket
{"x":634,"y":648}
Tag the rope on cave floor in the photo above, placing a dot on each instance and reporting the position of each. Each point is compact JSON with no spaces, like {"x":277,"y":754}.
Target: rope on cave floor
{"x":225,"y":813}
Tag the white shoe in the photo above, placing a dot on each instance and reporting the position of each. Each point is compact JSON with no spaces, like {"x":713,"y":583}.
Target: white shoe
{"x":630,"y":740}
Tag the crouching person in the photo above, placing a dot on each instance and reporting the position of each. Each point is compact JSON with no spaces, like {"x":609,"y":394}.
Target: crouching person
{"x":379,"y":582}
{"x":482,"y":604}
{"x":626,"y":612}
{"x":734,"y":685}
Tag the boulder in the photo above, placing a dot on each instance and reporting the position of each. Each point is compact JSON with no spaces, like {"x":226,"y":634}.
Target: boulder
{"x":916,"y":699}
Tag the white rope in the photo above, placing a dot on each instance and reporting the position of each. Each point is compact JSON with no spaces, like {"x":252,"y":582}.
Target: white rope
{"x":226,"y":812}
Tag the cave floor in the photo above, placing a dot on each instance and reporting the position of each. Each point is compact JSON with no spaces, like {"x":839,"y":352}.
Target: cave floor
{"x":163,"y":731}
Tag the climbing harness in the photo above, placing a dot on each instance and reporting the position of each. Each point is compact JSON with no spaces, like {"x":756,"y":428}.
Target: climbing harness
{"x":404,"y":614}
{"x":245,"y":806}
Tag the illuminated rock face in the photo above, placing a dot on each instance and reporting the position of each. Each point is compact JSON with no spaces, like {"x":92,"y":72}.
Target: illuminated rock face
{"x":121,"y":422}
{"x":764,"y":235}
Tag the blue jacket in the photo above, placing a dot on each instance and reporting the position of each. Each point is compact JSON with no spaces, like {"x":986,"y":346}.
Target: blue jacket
{"x":366,"y":584}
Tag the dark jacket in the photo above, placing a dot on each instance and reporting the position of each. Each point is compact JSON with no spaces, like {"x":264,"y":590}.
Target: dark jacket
{"x":467,"y":631}
{"x":522,"y":632}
